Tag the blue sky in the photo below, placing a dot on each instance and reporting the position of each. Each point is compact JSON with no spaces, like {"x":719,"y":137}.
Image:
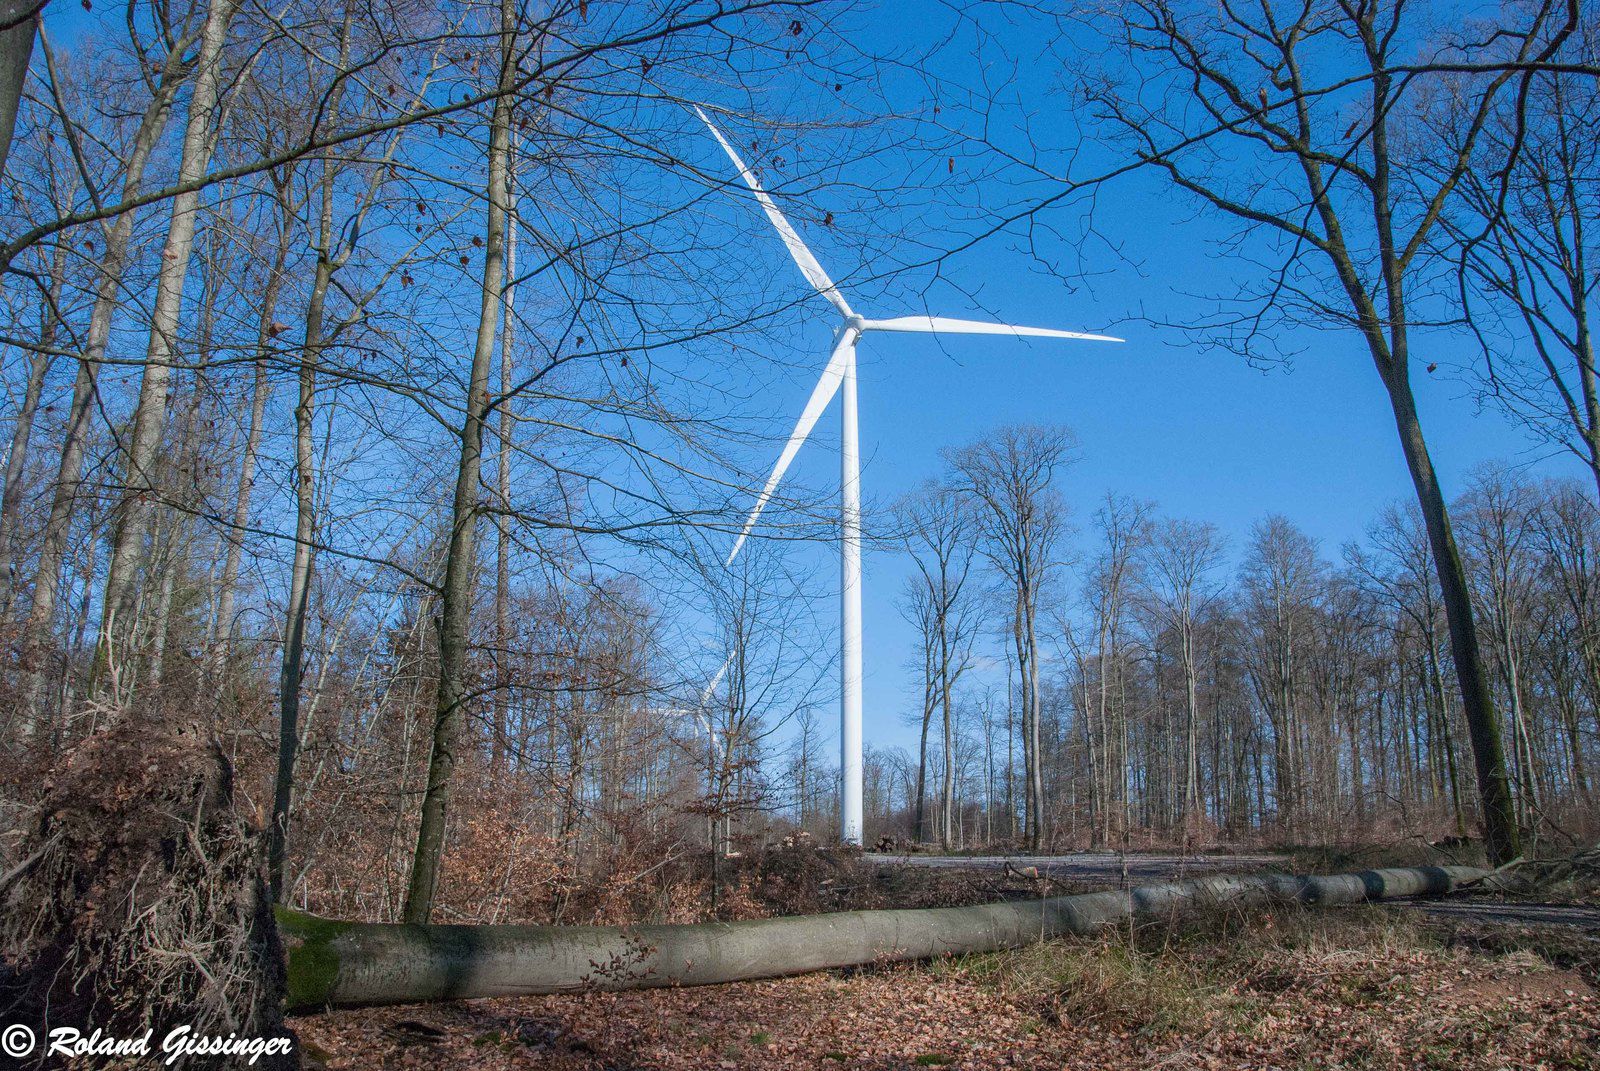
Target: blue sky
{"x":1202,"y":434}
{"x":1199,"y":432}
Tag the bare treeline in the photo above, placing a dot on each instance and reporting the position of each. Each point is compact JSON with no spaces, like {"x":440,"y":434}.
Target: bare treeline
{"x":1271,"y":690}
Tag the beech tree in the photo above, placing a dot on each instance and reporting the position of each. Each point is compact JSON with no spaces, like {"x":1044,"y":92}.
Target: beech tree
{"x":1010,"y":477}
{"x":108,"y":293}
{"x":1325,"y":184}
{"x":137,"y":508}
{"x":937,"y":527}
{"x":460,"y":557}
{"x":1180,"y":587}
{"x":1123,"y":526}
{"x":1521,"y":237}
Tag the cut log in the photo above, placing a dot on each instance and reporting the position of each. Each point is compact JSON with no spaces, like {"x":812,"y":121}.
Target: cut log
{"x":354,"y":963}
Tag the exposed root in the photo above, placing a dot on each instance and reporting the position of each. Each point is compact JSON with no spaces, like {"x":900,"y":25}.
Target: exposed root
{"x":139,"y":902}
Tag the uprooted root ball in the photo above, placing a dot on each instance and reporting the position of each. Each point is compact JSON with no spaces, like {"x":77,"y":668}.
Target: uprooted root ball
{"x":141,"y":903}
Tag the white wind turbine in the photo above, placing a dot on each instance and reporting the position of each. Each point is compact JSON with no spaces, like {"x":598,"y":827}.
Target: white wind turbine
{"x":840,"y":372}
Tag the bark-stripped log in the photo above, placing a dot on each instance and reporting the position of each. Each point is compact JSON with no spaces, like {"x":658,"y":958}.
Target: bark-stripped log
{"x":351,"y":963}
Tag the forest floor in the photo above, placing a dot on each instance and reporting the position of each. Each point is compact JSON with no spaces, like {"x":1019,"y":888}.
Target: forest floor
{"x":1364,"y":987}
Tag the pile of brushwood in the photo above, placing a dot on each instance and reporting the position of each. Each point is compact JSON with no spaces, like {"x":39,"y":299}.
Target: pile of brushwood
{"x":137,"y":902}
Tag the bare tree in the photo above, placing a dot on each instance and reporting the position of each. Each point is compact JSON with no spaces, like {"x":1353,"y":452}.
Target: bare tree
{"x":108,"y":293}
{"x":1568,"y":532}
{"x":1522,"y":235}
{"x":1331,"y":192}
{"x":1182,"y":586}
{"x":334,"y":238}
{"x":936,"y":525}
{"x":1283,"y":579}
{"x":284,"y":207}
{"x":138,"y":506}
{"x":461,"y":557}
{"x":1398,"y":562}
{"x":1499,"y":512}
{"x":917,"y":607}
{"x":1010,"y":476}
{"x":504,"y":432}
{"x":1124,"y":527}
{"x":22,"y":431}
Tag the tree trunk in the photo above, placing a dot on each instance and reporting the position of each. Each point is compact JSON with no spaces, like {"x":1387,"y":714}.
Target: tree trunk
{"x":1011,"y":755}
{"x":947,"y":785}
{"x":21,"y":21}
{"x":69,"y":473}
{"x":16,"y":462}
{"x":292,"y":665}
{"x":921,"y":828}
{"x":1483,"y":723}
{"x":138,"y":505}
{"x":168,"y":573}
{"x":502,"y":550}
{"x":461,"y":557}
{"x":349,"y":963}
{"x":1191,"y":729}
{"x":1586,"y":382}
{"x":261,"y":388}
{"x":1029,"y":666}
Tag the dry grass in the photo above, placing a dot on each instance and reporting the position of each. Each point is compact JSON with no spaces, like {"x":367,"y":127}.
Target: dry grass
{"x":1357,"y":990}
{"x":1219,"y":972}
{"x":1110,"y":984}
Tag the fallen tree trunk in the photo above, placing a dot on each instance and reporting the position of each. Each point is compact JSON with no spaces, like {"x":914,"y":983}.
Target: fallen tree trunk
{"x":353,"y":963}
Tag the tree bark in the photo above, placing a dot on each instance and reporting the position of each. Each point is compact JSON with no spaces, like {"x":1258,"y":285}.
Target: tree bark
{"x":138,"y":505}
{"x":502,"y":549}
{"x":461,"y":557}
{"x":1036,"y":820}
{"x":947,"y":786}
{"x":21,"y":21}
{"x":108,"y":294}
{"x":1483,"y":722}
{"x":348,"y":963}
{"x":22,"y":433}
{"x":920,"y":816}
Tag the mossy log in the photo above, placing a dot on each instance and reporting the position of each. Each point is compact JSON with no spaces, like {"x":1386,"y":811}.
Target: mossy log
{"x":352,"y":963}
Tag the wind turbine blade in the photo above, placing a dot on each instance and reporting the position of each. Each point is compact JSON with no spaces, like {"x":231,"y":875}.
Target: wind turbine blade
{"x":809,"y":266}
{"x":823,"y":393}
{"x":705,"y":696}
{"x":935,"y":324}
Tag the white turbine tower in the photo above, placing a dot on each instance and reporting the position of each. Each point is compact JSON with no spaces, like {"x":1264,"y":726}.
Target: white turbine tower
{"x":840,"y":372}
